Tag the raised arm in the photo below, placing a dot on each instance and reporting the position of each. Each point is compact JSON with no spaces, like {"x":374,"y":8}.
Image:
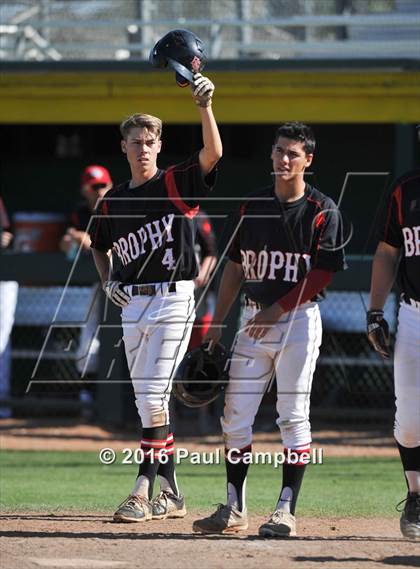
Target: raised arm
{"x":212,"y":150}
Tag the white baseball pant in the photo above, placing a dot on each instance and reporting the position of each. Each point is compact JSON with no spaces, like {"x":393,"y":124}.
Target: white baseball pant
{"x":407,"y":377}
{"x":290,"y":350}
{"x":8,"y":303}
{"x":157,"y":331}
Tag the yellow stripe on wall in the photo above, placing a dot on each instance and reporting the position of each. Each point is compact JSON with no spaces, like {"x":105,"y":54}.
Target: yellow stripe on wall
{"x":323,"y":96}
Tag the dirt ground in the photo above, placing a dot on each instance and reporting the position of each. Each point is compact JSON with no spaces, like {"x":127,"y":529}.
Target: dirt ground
{"x":32,"y":540}
{"x":91,"y":541}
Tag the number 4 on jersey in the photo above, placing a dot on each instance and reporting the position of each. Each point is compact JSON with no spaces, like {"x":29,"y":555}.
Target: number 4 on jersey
{"x":168,"y":259}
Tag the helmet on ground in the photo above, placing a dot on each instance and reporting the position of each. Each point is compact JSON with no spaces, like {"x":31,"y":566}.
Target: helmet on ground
{"x":183,"y":51}
{"x":201,"y":376}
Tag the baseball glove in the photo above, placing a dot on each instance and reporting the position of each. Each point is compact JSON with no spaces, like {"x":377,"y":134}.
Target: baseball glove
{"x":115,"y":293}
{"x":378,"y":332}
{"x":202,"y":89}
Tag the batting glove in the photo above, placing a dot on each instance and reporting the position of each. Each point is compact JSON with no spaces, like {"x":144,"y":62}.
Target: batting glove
{"x":115,"y":293}
{"x":202,"y":89}
{"x":378,"y":332}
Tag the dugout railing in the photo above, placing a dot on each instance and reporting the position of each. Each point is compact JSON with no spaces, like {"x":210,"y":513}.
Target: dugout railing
{"x":53,"y":31}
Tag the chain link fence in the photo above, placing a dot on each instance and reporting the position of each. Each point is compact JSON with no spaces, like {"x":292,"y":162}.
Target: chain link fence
{"x":49,"y":345}
{"x":55,"y":363}
{"x":351,"y":380}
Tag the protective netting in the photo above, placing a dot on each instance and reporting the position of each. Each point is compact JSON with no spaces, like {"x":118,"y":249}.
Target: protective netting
{"x":48,"y":358}
{"x":56,"y":357}
{"x":350,"y":376}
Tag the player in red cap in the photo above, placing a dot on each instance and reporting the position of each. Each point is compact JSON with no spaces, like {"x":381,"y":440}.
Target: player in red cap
{"x":96,"y":178}
{"x":94,"y":183}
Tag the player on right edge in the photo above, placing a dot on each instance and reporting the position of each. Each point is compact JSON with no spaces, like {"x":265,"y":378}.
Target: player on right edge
{"x":398,"y":253}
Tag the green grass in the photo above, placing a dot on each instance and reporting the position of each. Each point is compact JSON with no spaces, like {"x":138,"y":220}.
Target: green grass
{"x":54,"y":481}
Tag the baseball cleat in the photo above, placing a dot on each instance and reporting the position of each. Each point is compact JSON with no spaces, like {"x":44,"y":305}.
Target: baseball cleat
{"x":226,"y":519}
{"x":167,"y":505}
{"x":410,"y":517}
{"x":281,"y":524}
{"x":135,"y":508}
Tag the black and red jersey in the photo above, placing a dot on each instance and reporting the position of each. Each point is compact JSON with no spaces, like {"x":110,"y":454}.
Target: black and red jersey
{"x":150,"y":228}
{"x":277,"y":243}
{"x":401,"y":229}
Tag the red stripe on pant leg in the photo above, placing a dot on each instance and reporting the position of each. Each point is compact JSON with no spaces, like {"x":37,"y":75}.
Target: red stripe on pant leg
{"x":239,"y":454}
{"x":156,"y":443}
{"x":144,"y":444}
{"x":297,"y":452}
{"x":151,"y":449}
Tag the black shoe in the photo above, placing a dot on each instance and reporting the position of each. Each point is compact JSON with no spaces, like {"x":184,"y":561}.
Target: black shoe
{"x":410,"y":517}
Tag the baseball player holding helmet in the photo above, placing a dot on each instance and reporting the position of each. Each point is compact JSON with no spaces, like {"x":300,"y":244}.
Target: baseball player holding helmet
{"x":147,"y":222}
{"x":286,"y":248}
{"x":398,"y":254}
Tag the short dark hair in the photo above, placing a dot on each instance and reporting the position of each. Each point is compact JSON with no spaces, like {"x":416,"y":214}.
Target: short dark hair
{"x":298,"y":131}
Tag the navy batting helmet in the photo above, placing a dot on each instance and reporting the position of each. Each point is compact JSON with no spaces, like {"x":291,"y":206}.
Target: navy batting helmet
{"x":201,"y":376}
{"x":183,"y":51}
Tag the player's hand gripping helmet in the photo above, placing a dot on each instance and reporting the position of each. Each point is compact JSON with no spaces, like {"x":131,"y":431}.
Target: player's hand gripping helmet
{"x":201,"y":376}
{"x":183,"y":51}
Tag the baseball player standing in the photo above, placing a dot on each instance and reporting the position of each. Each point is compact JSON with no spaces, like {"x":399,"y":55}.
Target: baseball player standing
{"x":286,"y":248}
{"x":95,"y":183}
{"x":148,"y":224}
{"x":398,"y":254}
